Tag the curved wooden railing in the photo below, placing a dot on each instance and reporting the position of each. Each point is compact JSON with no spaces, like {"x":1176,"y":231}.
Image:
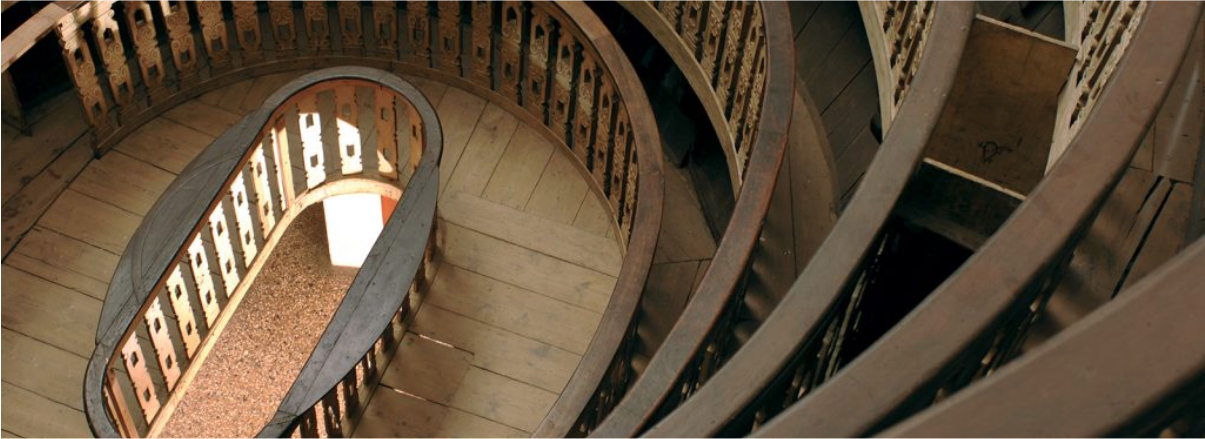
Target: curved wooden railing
{"x":554,"y":65}
{"x":227,"y":211}
{"x":1134,"y":366}
{"x":797,"y":346}
{"x":977,"y":319}
{"x":747,"y":91}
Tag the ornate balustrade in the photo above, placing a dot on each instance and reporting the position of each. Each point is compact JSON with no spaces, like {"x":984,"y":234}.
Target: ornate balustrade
{"x":897,"y":31}
{"x":975,"y":321}
{"x":200,"y":248}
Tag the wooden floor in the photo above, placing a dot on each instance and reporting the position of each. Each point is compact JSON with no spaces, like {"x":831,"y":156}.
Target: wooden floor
{"x":528,"y":263}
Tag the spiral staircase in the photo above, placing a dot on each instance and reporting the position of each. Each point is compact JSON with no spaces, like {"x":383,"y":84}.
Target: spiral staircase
{"x":609,"y":219}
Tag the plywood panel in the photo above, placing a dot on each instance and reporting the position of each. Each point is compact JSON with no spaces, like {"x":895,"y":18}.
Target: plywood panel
{"x":48,"y":312}
{"x":43,"y":369}
{"x":92,"y":221}
{"x":124,"y":181}
{"x":559,"y":193}
{"x":502,"y":352}
{"x":23,"y":210}
{"x":519,"y":169}
{"x":545,"y":236}
{"x":513,"y":309}
{"x":527,"y":269}
{"x":30,"y":415}
{"x":503,"y":400}
{"x":486,"y":146}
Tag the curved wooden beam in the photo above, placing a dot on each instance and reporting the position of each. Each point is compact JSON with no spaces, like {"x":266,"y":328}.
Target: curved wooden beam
{"x":1119,"y":371}
{"x":876,"y":389}
{"x":797,"y":318}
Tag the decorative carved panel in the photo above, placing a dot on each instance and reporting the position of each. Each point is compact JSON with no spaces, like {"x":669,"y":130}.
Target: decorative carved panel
{"x":219,"y":229}
{"x":512,"y":33}
{"x":449,"y":37}
{"x":418,"y":21}
{"x":156,"y":326}
{"x":213,"y":31}
{"x":284,"y":26}
{"x":178,"y":295}
{"x":246,"y":27}
{"x":347,"y":123}
{"x":203,"y":278}
{"x":140,"y":376}
{"x":483,"y":25}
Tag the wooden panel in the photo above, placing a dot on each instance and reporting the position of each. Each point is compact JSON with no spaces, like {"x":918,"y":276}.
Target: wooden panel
{"x":541,"y":235}
{"x":26,"y":156}
{"x":30,"y":415}
{"x":559,"y":193}
{"x":489,"y":140}
{"x":203,"y":117}
{"x":502,"y":352}
{"x":230,"y":97}
{"x":166,"y":144}
{"x":48,"y":312}
{"x":67,"y":254}
{"x":261,"y":89}
{"x":65,"y":278}
{"x":92,"y":221}
{"x":427,"y":369}
{"x":458,"y":114}
{"x":424,"y":419}
{"x":513,"y":309}
{"x":503,"y":400}
{"x":44,"y":369}
{"x":25,"y":207}
{"x":685,"y":235}
{"x":527,"y":269}
{"x":124,"y":181}
{"x":519,"y":169}
{"x":592,"y":217}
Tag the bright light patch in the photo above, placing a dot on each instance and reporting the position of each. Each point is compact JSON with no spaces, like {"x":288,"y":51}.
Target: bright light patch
{"x":353,"y":223}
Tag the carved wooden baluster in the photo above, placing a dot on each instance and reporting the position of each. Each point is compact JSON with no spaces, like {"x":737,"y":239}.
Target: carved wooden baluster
{"x":242,"y":219}
{"x":483,"y":26}
{"x":619,"y":157}
{"x":734,"y":37}
{"x":219,"y":229}
{"x":177,"y":294}
{"x":150,"y":62}
{"x":346,"y":121}
{"x":539,"y":43}
{"x":602,"y":133}
{"x":317,"y":27}
{"x":78,"y":57}
{"x":140,"y":376}
{"x":583,"y":118}
{"x":284,"y":26}
{"x":204,"y":281}
{"x":669,"y":10}
{"x":246,"y":27}
{"x":263,"y":191}
{"x":112,"y":53}
{"x":418,"y":20}
{"x":512,"y":33}
{"x":284,"y":163}
{"x":332,"y":415}
{"x":351,"y":27}
{"x":449,"y":37}
{"x":629,"y":203}
{"x":712,"y":32}
{"x":386,"y":126}
{"x":384,"y":28}
{"x":417,"y":139}
{"x":692,"y":14}
{"x":183,"y":47}
{"x":117,"y":406}
{"x":156,"y":326}
{"x":736,"y":108}
{"x":311,"y":141}
{"x":213,"y":31}
{"x":752,"y":113}
{"x":563,"y":85}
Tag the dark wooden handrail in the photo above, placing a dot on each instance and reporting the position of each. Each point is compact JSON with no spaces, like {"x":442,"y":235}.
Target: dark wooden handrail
{"x":1137,"y":362}
{"x":898,"y":374}
{"x":836,"y":264}
{"x":179,"y":213}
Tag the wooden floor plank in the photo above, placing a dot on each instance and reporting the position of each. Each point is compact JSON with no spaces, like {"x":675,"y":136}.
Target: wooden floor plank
{"x":229,"y":97}
{"x":560,"y":191}
{"x":542,"y":235}
{"x":64,"y":278}
{"x":527,"y":269}
{"x":434,"y":91}
{"x":44,"y":369}
{"x":67,"y":254}
{"x":592,"y":217}
{"x":6,"y":433}
{"x":263,"y":87}
{"x":392,"y":414}
{"x":486,"y":146}
{"x":427,"y":369}
{"x":165,"y":144}
{"x":458,"y":113}
{"x":513,"y":309}
{"x":26,"y":156}
{"x":30,"y":415}
{"x":22,"y":211}
{"x":519,"y":169}
{"x":202,"y":117}
{"x":49,"y":313}
{"x":503,"y":400}
{"x":124,"y":181}
{"x":90,"y":220}
{"x":506,"y":353}
{"x":685,"y":235}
